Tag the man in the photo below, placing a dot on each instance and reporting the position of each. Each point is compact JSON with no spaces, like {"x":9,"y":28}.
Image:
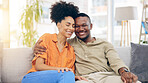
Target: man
{"x":96,"y":59}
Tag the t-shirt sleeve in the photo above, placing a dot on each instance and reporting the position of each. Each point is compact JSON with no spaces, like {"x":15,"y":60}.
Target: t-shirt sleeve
{"x":44,"y":44}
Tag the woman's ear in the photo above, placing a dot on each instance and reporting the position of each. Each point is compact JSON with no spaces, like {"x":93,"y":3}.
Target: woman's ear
{"x":58,"y":25}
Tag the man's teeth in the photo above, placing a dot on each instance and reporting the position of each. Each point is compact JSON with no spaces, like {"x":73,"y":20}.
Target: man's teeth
{"x":81,"y":33}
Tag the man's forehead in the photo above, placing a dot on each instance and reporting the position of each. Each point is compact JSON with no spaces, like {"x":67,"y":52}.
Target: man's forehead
{"x":81,"y":20}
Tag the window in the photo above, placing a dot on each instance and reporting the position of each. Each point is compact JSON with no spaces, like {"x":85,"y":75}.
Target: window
{"x":98,"y":13}
{"x":15,"y":13}
{"x":1,"y":2}
{"x":15,"y":30}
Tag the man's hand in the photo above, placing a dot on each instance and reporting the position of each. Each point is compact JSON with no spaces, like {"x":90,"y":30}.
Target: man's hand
{"x":38,"y":49}
{"x":80,"y":78}
{"x":128,"y":77}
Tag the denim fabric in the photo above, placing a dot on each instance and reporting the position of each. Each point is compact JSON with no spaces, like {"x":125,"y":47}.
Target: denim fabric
{"x":49,"y":76}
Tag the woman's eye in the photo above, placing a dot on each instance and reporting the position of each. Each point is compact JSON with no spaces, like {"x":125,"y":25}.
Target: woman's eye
{"x":68,"y":25}
{"x":73,"y":26}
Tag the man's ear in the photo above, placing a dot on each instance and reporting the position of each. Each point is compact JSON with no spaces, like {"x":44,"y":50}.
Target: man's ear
{"x":91,"y":25}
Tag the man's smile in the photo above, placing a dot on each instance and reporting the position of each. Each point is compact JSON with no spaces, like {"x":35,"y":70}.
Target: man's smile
{"x":81,"y":33}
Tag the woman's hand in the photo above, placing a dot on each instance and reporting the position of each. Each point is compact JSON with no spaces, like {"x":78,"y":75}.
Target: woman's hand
{"x":80,"y":78}
{"x":64,"y":69}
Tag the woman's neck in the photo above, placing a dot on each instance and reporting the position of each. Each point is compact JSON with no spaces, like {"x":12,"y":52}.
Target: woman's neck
{"x":61,"y":39}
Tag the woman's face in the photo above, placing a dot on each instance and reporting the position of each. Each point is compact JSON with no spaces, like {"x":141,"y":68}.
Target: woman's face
{"x":66,"y":26}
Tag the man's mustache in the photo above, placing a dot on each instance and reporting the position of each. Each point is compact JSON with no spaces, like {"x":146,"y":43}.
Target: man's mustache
{"x":81,"y":31}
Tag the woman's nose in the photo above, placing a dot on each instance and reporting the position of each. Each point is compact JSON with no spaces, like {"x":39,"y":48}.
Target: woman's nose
{"x":71,"y":28}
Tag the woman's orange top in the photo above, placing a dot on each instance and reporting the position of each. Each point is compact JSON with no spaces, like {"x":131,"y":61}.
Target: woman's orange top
{"x":52,"y":56}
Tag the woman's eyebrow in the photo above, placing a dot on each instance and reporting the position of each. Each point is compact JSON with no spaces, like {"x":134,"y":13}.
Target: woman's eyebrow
{"x":68,"y":22}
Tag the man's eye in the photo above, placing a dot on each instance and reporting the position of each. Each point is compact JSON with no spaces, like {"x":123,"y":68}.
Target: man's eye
{"x":84,"y":25}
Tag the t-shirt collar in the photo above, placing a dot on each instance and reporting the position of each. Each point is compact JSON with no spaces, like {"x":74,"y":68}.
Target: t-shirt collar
{"x":97,"y":41}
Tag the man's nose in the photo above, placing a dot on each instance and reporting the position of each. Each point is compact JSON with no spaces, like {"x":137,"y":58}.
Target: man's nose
{"x":81,"y":28}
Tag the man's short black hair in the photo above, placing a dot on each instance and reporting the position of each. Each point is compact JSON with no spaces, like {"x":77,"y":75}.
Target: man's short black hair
{"x":83,"y":15}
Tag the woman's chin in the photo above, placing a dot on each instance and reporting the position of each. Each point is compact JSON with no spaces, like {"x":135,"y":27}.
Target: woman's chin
{"x":68,"y":36}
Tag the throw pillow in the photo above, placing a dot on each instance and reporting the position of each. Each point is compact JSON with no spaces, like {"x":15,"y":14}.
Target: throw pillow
{"x":139,"y":59}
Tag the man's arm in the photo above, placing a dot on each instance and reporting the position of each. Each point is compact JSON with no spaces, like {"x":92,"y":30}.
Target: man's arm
{"x":113,"y":58}
{"x":118,"y":65}
{"x":38,"y":49}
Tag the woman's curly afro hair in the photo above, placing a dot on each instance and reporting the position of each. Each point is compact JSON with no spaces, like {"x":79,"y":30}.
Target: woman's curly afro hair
{"x":61,"y":9}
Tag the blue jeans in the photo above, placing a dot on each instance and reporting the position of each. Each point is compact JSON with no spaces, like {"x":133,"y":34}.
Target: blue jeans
{"x":49,"y":76}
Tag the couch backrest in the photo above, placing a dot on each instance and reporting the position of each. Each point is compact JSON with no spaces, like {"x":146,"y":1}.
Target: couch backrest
{"x":15,"y":64}
{"x":124,"y":54}
{"x":17,"y":61}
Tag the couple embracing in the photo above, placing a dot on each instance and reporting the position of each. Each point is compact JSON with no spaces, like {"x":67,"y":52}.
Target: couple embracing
{"x":82,"y":59}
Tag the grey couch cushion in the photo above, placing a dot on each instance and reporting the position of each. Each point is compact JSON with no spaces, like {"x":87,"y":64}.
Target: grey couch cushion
{"x":15,"y":64}
{"x":139,"y":59}
{"x":124,"y":54}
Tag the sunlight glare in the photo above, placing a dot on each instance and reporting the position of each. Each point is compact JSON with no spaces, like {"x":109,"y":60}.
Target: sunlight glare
{"x":1,"y":2}
{"x":1,"y":18}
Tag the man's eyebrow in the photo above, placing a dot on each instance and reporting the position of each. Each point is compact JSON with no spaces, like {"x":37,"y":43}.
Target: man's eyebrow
{"x":81,"y":24}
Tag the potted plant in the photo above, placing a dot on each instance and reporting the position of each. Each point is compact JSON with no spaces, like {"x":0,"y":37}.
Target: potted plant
{"x":28,"y":22}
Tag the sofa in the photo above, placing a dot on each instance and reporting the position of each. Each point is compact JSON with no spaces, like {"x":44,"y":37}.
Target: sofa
{"x":15,"y":62}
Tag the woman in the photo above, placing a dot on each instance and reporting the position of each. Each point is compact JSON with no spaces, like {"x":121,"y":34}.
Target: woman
{"x":56,"y":65}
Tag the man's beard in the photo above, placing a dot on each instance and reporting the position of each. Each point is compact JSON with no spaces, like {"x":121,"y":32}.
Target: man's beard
{"x":84,"y":39}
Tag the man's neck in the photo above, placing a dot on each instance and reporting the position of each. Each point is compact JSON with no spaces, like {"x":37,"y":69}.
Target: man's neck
{"x":89,"y":39}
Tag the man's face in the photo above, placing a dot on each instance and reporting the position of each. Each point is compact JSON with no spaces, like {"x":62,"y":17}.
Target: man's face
{"x":82,"y":27}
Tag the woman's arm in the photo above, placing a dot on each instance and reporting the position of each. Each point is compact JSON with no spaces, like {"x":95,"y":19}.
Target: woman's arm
{"x":40,"y":66}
